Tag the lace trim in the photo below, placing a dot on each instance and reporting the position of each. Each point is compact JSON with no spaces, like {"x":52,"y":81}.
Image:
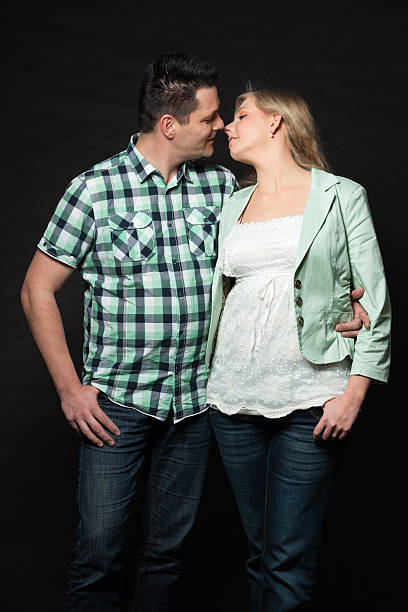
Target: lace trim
{"x":273,"y":221}
{"x":269,"y":413}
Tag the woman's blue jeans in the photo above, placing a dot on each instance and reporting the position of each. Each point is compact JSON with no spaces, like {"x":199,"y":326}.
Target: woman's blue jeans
{"x":281,"y":480}
{"x":107,"y":482}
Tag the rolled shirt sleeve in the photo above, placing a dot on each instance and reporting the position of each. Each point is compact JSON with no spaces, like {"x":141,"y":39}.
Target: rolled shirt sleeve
{"x":70,"y":233}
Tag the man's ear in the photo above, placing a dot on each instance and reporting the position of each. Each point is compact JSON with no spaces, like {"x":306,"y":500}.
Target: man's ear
{"x":167,"y":125}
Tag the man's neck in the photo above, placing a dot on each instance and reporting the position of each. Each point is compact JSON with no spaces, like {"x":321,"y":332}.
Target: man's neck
{"x":155,"y":148}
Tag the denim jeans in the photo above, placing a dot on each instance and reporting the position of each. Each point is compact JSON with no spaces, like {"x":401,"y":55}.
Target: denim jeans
{"x":281,"y":480}
{"x":108,"y":477}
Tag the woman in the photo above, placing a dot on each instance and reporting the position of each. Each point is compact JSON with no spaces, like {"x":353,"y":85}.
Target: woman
{"x":285,"y":387}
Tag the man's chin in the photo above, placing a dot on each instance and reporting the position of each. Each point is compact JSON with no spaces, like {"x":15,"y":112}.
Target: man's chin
{"x":208,"y":150}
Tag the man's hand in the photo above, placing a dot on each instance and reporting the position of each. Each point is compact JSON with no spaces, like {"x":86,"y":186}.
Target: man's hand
{"x":352,"y":328}
{"x":86,"y":417}
{"x":79,"y":403}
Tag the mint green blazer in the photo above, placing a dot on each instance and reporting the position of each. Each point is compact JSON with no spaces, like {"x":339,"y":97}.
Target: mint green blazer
{"x":337,"y":250}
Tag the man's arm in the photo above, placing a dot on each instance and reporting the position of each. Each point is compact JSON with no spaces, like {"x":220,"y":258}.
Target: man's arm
{"x":44,"y":278}
{"x":351,"y":328}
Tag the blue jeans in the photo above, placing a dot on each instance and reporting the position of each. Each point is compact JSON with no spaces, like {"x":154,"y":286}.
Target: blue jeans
{"x":281,"y":480}
{"x":108,"y":477}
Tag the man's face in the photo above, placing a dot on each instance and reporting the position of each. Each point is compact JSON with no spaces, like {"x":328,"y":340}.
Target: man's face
{"x":196,"y":138}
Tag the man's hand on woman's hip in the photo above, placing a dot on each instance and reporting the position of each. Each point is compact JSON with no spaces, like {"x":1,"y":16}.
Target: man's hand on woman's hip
{"x":351,"y":329}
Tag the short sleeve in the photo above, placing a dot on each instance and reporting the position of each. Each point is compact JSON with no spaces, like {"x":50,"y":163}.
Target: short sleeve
{"x":70,"y":233}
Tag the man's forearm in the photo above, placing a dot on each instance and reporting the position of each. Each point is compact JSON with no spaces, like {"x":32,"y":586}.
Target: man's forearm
{"x":46,"y":325}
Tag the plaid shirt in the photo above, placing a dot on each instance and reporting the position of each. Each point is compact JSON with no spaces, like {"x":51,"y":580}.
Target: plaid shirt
{"x":147,"y":252}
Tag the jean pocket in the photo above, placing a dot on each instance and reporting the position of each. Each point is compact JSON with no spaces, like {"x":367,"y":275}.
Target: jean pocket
{"x":106,"y":404}
{"x":316,"y":412}
{"x":212,"y":409}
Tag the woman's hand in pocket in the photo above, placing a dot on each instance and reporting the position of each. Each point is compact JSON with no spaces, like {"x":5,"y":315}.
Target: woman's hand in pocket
{"x":339,"y":415}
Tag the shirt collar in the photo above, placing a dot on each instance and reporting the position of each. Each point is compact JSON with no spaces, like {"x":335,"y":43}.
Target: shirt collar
{"x":144,"y":168}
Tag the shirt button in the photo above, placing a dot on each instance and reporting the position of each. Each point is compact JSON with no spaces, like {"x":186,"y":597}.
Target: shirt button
{"x":301,"y":321}
{"x":299,"y":301}
{"x":298,"y":284}
{"x":170,"y":224}
{"x":180,"y":292}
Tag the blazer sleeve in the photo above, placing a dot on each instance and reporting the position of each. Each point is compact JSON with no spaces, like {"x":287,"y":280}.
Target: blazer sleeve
{"x":373,"y":346}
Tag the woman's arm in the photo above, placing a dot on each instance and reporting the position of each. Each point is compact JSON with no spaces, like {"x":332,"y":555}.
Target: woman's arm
{"x":372,"y":349}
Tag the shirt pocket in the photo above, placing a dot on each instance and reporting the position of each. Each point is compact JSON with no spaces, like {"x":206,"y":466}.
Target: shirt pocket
{"x":202,"y":224}
{"x":132,"y":235}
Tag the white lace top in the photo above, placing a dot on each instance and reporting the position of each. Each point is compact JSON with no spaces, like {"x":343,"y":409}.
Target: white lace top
{"x":258,"y":367}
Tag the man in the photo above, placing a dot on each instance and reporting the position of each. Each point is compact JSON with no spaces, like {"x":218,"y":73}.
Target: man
{"x":142,"y":229}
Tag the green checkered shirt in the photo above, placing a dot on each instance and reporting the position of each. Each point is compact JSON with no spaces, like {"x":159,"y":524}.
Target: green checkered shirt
{"x":146,"y":251}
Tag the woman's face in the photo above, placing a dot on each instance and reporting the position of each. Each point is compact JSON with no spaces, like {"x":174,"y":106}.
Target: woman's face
{"x":249,"y":133}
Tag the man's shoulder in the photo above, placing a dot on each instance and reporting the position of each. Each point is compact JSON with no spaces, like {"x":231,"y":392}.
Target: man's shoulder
{"x":110,"y":166}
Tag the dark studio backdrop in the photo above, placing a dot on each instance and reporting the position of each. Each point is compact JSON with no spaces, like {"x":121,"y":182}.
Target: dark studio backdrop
{"x":71,"y":81}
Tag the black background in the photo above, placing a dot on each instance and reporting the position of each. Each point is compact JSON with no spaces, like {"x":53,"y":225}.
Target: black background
{"x":70,"y":83}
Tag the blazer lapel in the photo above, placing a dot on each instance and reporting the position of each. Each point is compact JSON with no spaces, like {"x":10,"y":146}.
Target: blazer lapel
{"x":317,"y":207}
{"x":239,"y":206}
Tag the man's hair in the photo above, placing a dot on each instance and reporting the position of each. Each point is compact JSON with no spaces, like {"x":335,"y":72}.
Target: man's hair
{"x":170,"y":85}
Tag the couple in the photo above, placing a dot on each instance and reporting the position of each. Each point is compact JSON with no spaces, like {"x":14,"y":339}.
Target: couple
{"x":285,"y":386}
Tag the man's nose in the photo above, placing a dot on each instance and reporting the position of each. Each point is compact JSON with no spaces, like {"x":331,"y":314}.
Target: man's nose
{"x":219,"y":124}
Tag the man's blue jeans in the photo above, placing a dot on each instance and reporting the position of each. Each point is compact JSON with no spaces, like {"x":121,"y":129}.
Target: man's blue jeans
{"x":281,"y":480}
{"x":108,"y":477}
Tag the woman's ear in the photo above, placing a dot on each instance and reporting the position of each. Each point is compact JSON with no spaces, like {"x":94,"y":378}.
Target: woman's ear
{"x":274,"y":122}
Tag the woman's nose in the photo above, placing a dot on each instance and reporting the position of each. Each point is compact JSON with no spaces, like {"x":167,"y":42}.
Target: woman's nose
{"x":228,"y":127}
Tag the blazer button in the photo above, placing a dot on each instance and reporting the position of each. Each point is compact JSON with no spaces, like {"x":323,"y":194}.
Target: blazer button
{"x":298,"y":284}
{"x":299,"y":301}
{"x":301,"y":321}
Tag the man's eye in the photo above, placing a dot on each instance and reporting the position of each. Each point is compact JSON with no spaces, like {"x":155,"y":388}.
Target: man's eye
{"x":241,"y":116}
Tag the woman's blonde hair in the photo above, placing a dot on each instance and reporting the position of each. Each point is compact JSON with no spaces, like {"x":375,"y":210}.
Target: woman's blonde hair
{"x":303,"y":137}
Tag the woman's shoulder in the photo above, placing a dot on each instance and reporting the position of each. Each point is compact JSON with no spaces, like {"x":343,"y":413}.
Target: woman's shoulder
{"x":325,"y":180}
{"x":348,"y":185}
{"x":351,"y":194}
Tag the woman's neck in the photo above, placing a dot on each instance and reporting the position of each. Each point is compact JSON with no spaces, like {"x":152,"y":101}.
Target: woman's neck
{"x":279,"y":174}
